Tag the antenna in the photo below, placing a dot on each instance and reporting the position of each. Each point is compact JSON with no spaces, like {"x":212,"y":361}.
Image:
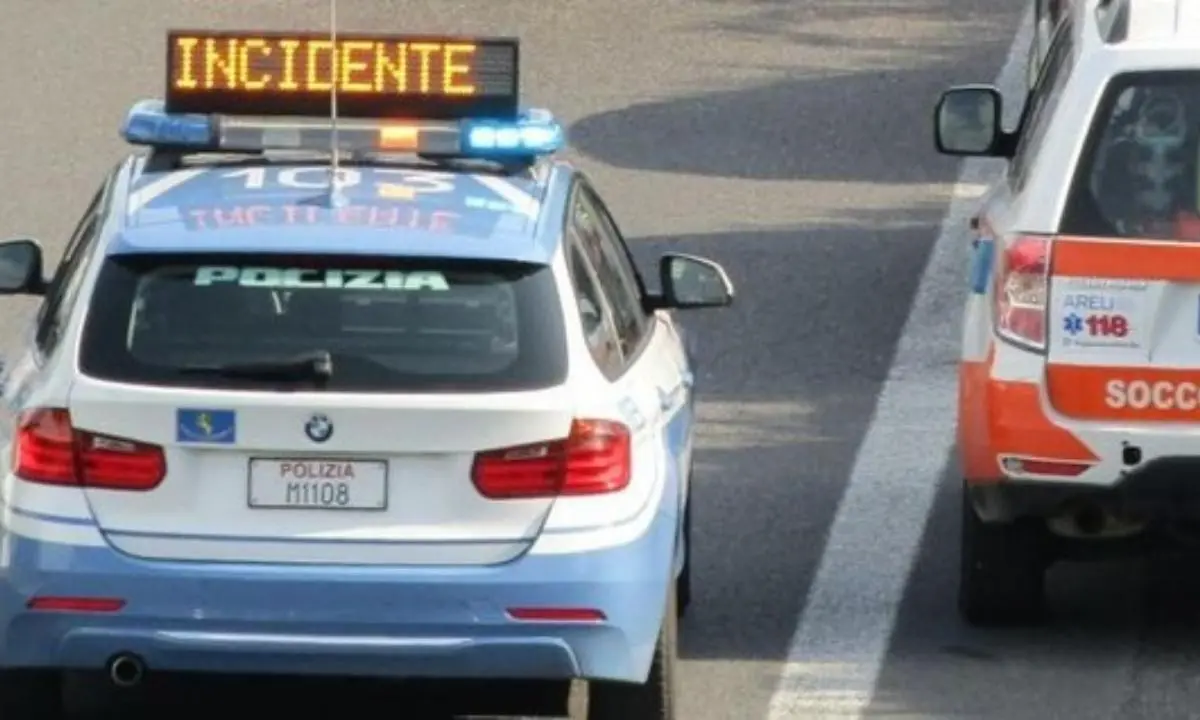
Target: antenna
{"x":335,"y":173}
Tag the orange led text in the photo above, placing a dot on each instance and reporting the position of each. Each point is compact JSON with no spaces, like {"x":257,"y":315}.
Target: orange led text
{"x":308,"y":65}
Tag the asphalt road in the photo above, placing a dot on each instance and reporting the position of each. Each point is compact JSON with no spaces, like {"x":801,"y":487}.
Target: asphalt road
{"x":789,"y":140}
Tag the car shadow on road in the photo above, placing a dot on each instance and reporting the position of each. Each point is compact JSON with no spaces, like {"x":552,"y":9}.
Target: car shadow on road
{"x":787,"y":380}
{"x":1120,"y":639}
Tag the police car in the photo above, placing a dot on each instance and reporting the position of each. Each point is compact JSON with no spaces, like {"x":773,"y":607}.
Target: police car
{"x":406,"y":409}
{"x":1080,"y":365}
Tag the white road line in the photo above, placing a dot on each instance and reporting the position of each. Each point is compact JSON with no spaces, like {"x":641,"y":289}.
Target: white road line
{"x":842,"y":638}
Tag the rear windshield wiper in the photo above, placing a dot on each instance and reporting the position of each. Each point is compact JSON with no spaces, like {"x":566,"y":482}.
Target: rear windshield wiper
{"x":313,"y":365}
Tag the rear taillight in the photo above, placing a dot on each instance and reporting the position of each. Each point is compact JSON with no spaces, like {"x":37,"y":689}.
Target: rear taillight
{"x":50,"y":451}
{"x":75,"y":604}
{"x":593,"y":459}
{"x":556,"y":614}
{"x":1022,"y":277}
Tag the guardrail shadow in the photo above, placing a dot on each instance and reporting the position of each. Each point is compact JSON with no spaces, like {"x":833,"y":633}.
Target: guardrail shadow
{"x":808,"y":123}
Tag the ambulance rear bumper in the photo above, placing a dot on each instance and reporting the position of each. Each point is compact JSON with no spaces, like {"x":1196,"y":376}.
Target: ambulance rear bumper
{"x":1162,"y":488}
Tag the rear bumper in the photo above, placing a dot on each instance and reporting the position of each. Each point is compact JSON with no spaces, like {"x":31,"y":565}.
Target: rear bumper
{"x":444,"y":622}
{"x":1163,"y":488}
{"x":1006,"y":427}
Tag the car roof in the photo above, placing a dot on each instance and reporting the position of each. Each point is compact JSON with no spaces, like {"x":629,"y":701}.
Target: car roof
{"x":1130,"y":24}
{"x":261,"y":207}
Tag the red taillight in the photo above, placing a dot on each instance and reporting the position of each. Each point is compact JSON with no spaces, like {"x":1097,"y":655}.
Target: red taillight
{"x":593,"y":459}
{"x":556,"y":614}
{"x":1022,"y":276}
{"x":44,"y":451}
{"x":50,"y":451}
{"x":76,"y":604}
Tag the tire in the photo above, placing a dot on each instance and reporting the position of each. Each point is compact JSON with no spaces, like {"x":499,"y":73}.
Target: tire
{"x":683,"y":584}
{"x":1002,"y":574}
{"x":31,"y":695}
{"x":651,"y":700}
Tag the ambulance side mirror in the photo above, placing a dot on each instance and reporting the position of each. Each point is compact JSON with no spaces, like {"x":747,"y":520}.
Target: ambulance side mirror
{"x":966,"y":122}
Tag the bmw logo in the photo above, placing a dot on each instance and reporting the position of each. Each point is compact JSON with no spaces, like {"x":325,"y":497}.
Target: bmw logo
{"x":319,"y":428}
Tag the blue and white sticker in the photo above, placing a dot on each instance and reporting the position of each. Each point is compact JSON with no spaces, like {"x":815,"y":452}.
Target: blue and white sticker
{"x":1094,"y":313}
{"x":981,"y":265}
{"x":197,"y":425}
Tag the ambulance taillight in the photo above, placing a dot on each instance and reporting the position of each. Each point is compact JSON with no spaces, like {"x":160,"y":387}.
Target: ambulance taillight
{"x":1022,"y":278}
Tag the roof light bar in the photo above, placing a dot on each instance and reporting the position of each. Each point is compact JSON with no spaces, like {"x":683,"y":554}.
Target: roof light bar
{"x":533,"y":133}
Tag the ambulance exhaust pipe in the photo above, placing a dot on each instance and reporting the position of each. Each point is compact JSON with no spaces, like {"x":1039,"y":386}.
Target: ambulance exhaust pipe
{"x":126,"y":670}
{"x":1088,"y":519}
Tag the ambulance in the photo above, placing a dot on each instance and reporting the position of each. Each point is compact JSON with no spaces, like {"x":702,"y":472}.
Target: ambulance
{"x":1079,"y":401}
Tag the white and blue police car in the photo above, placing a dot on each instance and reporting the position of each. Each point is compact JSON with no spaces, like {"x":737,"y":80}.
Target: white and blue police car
{"x":406,"y":409}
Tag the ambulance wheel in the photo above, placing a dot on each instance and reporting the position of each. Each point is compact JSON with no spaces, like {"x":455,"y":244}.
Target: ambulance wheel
{"x":683,"y":584}
{"x":1002,"y":574}
{"x":653,"y":699}
{"x":31,"y":695}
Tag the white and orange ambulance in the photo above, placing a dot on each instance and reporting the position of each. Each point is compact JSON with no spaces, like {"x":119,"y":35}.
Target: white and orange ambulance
{"x":1079,"y":405}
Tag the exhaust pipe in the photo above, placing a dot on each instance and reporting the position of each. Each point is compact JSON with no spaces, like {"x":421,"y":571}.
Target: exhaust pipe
{"x":1090,"y":519}
{"x":126,"y":670}
{"x":1087,"y":519}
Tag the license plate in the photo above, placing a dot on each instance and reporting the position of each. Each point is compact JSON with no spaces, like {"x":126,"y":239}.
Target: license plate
{"x":317,"y":484}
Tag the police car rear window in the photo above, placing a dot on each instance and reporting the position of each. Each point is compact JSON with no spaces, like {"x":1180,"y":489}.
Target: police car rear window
{"x":1139,"y":173}
{"x":385,"y":325}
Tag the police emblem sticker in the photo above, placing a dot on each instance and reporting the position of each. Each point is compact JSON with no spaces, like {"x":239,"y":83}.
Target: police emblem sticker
{"x":213,"y":427}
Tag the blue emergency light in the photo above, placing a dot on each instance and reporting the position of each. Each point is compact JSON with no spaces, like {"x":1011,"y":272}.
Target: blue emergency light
{"x":536,"y":132}
{"x":148,"y":124}
{"x":233,"y":91}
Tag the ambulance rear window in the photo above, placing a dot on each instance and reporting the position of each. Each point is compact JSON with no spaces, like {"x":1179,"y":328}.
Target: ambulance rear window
{"x":387,"y":324}
{"x":1139,"y":170}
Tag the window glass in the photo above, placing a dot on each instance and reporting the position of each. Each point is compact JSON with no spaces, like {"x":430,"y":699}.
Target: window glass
{"x":595,"y":317}
{"x":63,"y":290}
{"x":1139,"y":175}
{"x":1043,"y":100}
{"x":617,"y":282}
{"x":388,"y":324}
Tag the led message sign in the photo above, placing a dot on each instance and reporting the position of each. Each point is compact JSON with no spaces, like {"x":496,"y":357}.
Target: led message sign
{"x":376,"y":76}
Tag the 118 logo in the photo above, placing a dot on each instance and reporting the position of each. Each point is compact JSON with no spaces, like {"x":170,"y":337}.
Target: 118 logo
{"x":1107,"y":325}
